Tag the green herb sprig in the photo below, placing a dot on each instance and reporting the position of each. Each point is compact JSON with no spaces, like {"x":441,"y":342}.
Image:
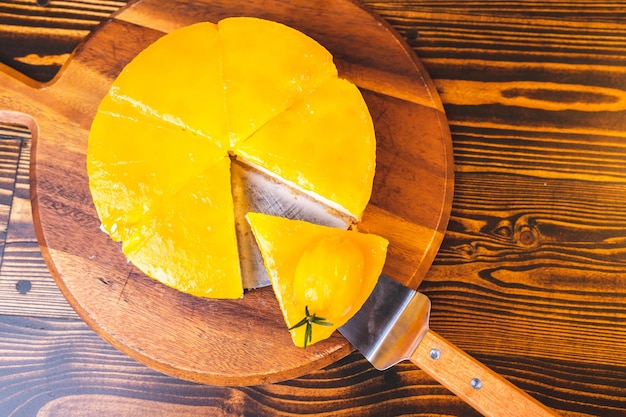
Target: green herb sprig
{"x":309,"y":320}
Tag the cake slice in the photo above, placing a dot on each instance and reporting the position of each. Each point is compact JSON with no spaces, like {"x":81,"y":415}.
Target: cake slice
{"x":136,"y":162}
{"x":179,"y":80}
{"x":323,"y":145}
{"x":321,"y":275}
{"x":190,"y":244}
{"x":267,"y":66}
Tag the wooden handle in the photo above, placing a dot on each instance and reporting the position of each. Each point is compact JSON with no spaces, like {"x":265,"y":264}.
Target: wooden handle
{"x":479,"y":386}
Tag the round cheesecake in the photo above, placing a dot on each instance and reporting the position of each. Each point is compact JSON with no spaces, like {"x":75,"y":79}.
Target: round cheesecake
{"x":243,"y":91}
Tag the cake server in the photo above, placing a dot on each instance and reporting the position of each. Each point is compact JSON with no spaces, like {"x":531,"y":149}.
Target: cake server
{"x":392,"y":326}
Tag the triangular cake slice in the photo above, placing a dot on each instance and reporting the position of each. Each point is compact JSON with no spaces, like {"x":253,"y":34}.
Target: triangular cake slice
{"x":321,"y":272}
{"x":308,"y":145}
{"x":195,"y":254}
{"x":178,"y":80}
{"x":267,"y":66}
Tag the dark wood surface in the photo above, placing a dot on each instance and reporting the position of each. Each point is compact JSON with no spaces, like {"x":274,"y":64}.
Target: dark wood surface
{"x":531,"y":274}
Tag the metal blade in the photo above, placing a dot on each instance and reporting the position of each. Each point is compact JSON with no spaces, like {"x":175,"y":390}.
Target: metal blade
{"x":390,"y":325}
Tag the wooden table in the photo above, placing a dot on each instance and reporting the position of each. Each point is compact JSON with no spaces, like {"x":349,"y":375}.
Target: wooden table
{"x":531,"y":276}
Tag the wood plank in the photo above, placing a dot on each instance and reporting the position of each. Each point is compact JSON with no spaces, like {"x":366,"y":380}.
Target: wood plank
{"x":10,"y":143}
{"x":38,"y":37}
{"x":59,"y":368}
{"x":23,"y":269}
{"x":534,"y":255}
{"x":26,"y":286}
{"x":66,"y":370}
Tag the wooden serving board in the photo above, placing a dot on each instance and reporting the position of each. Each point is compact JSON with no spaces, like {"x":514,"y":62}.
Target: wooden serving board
{"x":235,"y":342}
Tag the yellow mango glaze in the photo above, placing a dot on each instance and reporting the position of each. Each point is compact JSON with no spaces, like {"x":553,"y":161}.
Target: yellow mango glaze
{"x":161,"y":143}
{"x":331,"y":271}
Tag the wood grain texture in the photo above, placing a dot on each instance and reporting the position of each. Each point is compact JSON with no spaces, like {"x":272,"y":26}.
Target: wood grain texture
{"x":39,"y":36}
{"x":25,"y":284}
{"x":533,"y":260}
{"x":530,"y":276}
{"x":489,"y":393}
{"x":70,"y":372}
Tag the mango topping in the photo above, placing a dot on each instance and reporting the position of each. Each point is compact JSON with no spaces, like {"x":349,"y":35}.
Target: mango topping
{"x":329,"y":276}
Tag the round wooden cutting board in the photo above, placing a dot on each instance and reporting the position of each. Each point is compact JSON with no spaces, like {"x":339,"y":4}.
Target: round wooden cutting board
{"x":234,"y":342}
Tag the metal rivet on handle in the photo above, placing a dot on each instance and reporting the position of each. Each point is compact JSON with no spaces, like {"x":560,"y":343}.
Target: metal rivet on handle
{"x":435,"y":354}
{"x":476,"y":383}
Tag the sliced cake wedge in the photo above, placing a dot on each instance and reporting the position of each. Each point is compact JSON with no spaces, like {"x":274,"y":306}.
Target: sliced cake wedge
{"x":321,"y":275}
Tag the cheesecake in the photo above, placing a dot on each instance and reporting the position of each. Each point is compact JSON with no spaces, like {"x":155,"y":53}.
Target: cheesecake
{"x":321,"y":275}
{"x":202,"y":103}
